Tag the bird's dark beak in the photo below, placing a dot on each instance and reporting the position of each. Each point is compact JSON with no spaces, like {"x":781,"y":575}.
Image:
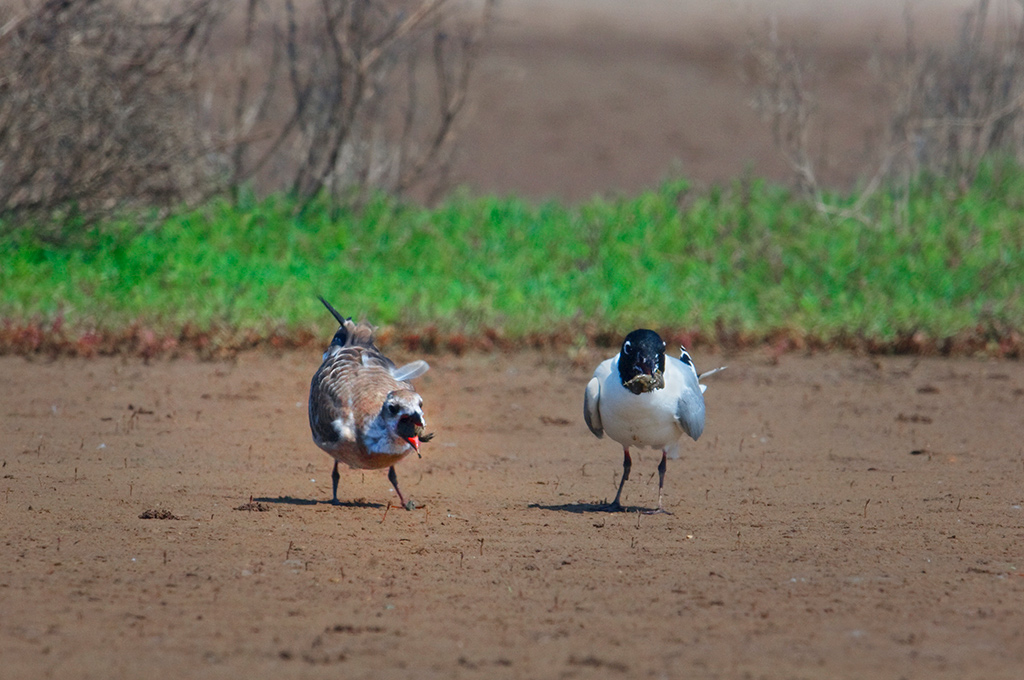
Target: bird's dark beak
{"x":410,"y":427}
{"x":648,"y":376}
{"x":647,"y":365}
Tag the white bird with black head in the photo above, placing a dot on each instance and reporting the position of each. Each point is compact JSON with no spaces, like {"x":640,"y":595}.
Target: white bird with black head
{"x":362,"y":409}
{"x":643,"y":398}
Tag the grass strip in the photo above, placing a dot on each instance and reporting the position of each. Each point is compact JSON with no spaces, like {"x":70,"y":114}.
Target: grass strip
{"x":750,"y":260}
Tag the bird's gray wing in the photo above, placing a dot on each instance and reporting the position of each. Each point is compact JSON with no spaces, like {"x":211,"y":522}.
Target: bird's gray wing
{"x":690,"y":404}
{"x":331,"y":417}
{"x":591,"y":407}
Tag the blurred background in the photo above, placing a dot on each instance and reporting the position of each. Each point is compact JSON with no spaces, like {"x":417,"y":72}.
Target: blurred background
{"x":108,"y":103}
{"x":576,"y":97}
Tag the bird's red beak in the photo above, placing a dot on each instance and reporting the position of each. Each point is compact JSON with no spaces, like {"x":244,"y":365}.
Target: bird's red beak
{"x":409,"y":428}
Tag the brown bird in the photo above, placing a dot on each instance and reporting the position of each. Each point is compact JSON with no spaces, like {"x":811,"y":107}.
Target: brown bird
{"x":362,"y":409}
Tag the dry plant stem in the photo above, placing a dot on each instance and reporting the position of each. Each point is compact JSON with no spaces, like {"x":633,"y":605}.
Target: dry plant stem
{"x":944,"y":110}
{"x":91,"y":111}
{"x":785,"y":102}
{"x":107,"y":104}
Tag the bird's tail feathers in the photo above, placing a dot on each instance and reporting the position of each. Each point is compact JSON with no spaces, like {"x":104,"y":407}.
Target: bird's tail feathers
{"x":360,"y":333}
{"x":349,"y":332}
{"x":337,"y":315}
{"x":711,"y":372}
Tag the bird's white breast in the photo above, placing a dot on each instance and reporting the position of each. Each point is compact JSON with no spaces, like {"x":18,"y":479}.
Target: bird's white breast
{"x":640,"y":420}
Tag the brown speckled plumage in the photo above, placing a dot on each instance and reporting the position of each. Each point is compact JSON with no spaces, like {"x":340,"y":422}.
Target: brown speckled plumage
{"x":363,"y":411}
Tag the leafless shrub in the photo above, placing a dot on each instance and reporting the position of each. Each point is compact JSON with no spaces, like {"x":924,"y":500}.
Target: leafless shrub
{"x":784,"y":86}
{"x":943,"y":110}
{"x":374,"y":90}
{"x":91,"y":111}
{"x":784,"y":99}
{"x":105,"y":103}
{"x":951,"y":109}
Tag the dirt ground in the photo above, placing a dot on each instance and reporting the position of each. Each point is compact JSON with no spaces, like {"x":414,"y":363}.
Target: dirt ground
{"x":842,"y":516}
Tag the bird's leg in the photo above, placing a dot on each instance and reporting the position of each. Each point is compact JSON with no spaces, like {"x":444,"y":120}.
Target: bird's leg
{"x":393,"y":478}
{"x":661,"y":484}
{"x":627,"y":463}
{"x":335,"y":476}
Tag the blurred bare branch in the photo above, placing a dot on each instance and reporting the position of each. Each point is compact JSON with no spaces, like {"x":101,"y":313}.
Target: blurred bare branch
{"x":784,"y":99}
{"x":360,"y":116}
{"x":942,"y":111}
{"x":91,"y":111}
{"x":105,"y":103}
{"x":953,"y":108}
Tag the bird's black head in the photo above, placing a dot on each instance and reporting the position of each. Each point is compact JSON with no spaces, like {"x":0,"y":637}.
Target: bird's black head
{"x":642,"y":361}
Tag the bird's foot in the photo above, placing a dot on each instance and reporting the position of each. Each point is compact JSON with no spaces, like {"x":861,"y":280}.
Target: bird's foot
{"x":614,"y":506}
{"x":657,"y":511}
{"x":334,"y":501}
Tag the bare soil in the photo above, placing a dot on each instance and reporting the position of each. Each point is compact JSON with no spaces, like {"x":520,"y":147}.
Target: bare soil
{"x":842,"y":516}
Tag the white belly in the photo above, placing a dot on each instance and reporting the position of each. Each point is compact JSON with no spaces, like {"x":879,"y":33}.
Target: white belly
{"x":639,"y":420}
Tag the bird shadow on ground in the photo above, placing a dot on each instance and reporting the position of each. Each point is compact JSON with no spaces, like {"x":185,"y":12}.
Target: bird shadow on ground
{"x":291,"y":500}
{"x":581,"y":508}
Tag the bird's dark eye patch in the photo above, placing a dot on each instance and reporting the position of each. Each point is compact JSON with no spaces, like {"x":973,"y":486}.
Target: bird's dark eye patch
{"x":393,"y":409}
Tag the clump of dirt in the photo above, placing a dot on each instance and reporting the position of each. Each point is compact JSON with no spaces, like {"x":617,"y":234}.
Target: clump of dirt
{"x":254,"y":506}
{"x":645,"y":383}
{"x":161,"y":513}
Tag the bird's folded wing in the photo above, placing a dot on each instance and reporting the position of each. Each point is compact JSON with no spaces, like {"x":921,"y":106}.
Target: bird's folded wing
{"x":371,"y":357}
{"x":330,"y":417}
{"x":690,"y":412}
{"x":690,"y":403}
{"x":591,"y":407}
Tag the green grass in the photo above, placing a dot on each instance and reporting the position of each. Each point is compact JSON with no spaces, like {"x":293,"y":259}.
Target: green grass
{"x":750,"y":259}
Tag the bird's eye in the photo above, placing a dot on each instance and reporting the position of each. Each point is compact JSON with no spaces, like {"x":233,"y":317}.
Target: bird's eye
{"x":627,"y":347}
{"x":393,"y":409}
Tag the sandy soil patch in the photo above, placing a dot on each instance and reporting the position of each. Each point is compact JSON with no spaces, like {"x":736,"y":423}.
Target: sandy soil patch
{"x":842,"y":516}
